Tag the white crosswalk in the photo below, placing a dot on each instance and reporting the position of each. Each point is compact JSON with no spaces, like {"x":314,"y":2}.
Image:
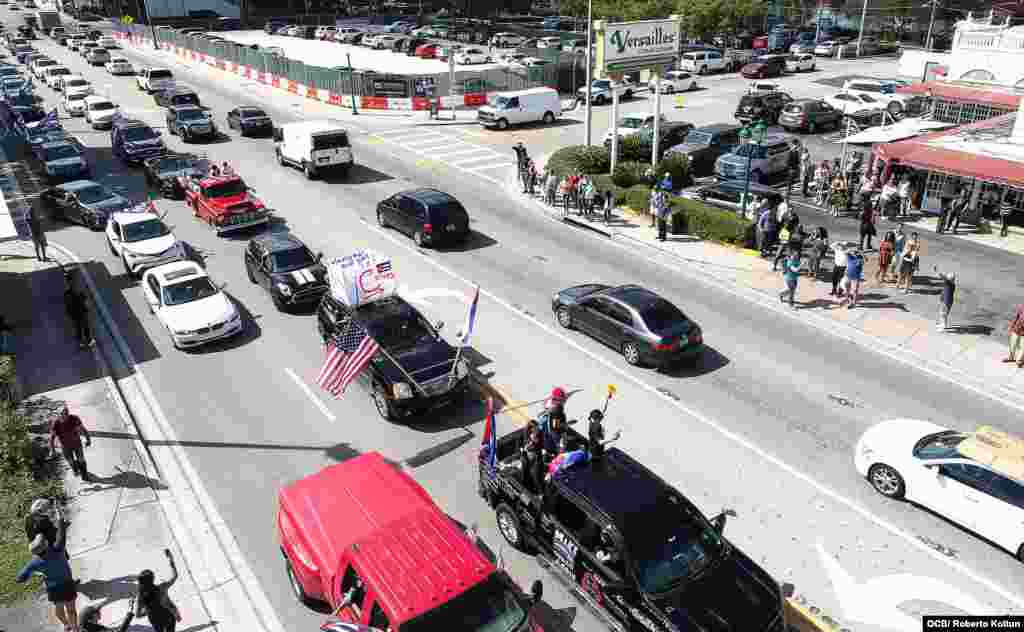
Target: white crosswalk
{"x":449,"y":148}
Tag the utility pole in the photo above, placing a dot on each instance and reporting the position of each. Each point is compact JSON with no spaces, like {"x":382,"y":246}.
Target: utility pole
{"x":590,"y":64}
{"x":931,"y":22}
{"x":863,"y":17}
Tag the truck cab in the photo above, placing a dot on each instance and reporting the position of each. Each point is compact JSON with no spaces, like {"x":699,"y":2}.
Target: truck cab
{"x":224,"y":202}
{"x":314,"y":146}
{"x":363,"y":537}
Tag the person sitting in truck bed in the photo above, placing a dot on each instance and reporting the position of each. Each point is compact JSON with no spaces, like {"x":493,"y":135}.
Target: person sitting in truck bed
{"x":533,"y":460}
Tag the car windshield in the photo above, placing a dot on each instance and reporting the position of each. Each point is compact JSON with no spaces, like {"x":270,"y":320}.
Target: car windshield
{"x":253,"y":114}
{"x":601,"y":85}
{"x":226,"y":189}
{"x":662,"y":316}
{"x":92,"y":194}
{"x":191,"y":115}
{"x":941,"y":445}
{"x":188,"y":291}
{"x":62,"y":151}
{"x":663,"y":559}
{"x":698,"y":138}
{"x":174,"y":165}
{"x":59,"y":71}
{"x":866,"y":99}
{"x":75,"y":83}
{"x":631,"y":123}
{"x":102,"y":105}
{"x":395,"y":325}
{"x":136,"y":134}
{"x":487,"y":607}
{"x":160,"y":74}
{"x":147,"y":229}
{"x":292,"y":259}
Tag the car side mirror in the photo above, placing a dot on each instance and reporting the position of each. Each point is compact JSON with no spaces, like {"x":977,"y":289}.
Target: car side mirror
{"x":439,"y":325}
{"x":319,"y":256}
{"x":537,"y":591}
{"x":719,"y":521}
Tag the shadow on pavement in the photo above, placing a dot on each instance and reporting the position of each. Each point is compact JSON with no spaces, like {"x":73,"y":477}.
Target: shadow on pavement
{"x":976,"y":330}
{"x":710,"y":360}
{"x":476,"y":240}
{"x":428,"y":455}
{"x":359,"y":174}
{"x":124,"y":479}
{"x":337,"y":452}
{"x":110,"y":286}
{"x":110,"y":590}
{"x":459,"y":415}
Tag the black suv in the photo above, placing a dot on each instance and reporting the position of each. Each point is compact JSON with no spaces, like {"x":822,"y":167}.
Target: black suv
{"x":703,"y":145}
{"x":638,"y":552}
{"x":414,"y":370}
{"x":670,"y":134}
{"x":431,"y":217}
{"x":176,"y":96}
{"x":762,"y":107}
{"x":287,"y":269}
{"x":190,"y":122}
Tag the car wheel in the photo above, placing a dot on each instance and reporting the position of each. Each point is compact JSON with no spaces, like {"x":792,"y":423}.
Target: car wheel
{"x":886,"y":481}
{"x":510,"y":527}
{"x":502,"y":123}
{"x":703,"y":70}
{"x":417,"y":238}
{"x":894,"y":108}
{"x":549,"y":118}
{"x":384,"y":406}
{"x":631,"y":353}
{"x":383,"y":223}
{"x":670,"y":89}
{"x":564,"y":317}
{"x":280,"y":157}
{"x":297,"y":589}
{"x":813,"y":66}
{"x":127,"y":268}
{"x":309,"y":171}
{"x":693,"y":86}
{"x":599,"y":99}
{"x":1020,"y":553}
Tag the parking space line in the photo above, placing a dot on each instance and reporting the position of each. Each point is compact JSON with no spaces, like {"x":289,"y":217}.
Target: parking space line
{"x":474,"y":159}
{"x":474,"y":149}
{"x":445,"y":143}
{"x":311,"y":395}
{"x":398,"y":131}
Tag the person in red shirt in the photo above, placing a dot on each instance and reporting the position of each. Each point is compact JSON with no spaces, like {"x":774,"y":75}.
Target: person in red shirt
{"x":1016,"y":330}
{"x":69,"y":430}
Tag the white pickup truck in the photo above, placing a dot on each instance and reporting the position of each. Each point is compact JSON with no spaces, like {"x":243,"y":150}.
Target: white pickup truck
{"x":154,"y":80}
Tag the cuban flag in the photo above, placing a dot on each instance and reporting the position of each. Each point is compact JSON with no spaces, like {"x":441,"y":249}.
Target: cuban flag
{"x":566,"y":460}
{"x":470,"y":326}
{"x":489,"y":443}
{"x":52,"y":120}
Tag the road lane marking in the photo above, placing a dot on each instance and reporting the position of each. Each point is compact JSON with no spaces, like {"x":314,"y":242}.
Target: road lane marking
{"x":731,"y":435}
{"x":477,"y":159}
{"x":311,"y":395}
{"x":474,"y":150}
{"x":502,"y":165}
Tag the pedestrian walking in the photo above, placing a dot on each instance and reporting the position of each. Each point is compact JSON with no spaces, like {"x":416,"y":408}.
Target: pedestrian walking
{"x":909,"y":263}
{"x":839,"y":260}
{"x":531,"y":176}
{"x":609,"y":205}
{"x":838,"y":194}
{"x":1005,"y":210}
{"x":794,"y":243}
{"x":886,"y":251}
{"x":900,"y":242}
{"x":1016,"y":331}
{"x":946,"y":298}
{"x":77,"y":308}
{"x":946,"y":196}
{"x":959,"y":210}
{"x":854,"y":277}
{"x":551,"y":188}
{"x":867,"y":227}
{"x":664,"y":212}
{"x":822,"y":180}
{"x":35,"y":224}
{"x":592,"y":197}
{"x":806,"y":171}
{"x":566,"y":189}
{"x":990,"y":204}
{"x":51,"y":561}
{"x":819,"y":247}
{"x":68,"y":429}
{"x":153,"y":600}
{"x":904,"y":195}
{"x":791,"y":274}
{"x":520,"y":152}
{"x":769,"y":228}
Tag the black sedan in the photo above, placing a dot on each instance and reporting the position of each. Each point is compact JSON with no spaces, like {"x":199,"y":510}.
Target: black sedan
{"x":249,"y":119}
{"x":84,"y":202}
{"x":644,"y":327}
{"x":287,"y":269}
{"x":163,"y":172}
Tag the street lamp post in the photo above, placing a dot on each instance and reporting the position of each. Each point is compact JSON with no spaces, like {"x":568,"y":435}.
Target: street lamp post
{"x":931,"y":23}
{"x":755,"y":134}
{"x":590,"y":64}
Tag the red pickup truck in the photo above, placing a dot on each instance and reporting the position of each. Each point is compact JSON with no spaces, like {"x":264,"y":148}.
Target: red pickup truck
{"x":224,"y":202}
{"x":365,"y":538}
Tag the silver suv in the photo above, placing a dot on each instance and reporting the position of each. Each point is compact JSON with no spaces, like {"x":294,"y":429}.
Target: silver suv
{"x":769,"y":158}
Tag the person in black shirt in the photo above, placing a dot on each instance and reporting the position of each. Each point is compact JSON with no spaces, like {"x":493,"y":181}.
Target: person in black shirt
{"x":89,"y":621}
{"x":78,"y":310}
{"x":595,"y":435}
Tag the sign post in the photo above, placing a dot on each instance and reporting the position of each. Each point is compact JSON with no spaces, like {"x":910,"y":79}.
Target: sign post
{"x":615,"y":121}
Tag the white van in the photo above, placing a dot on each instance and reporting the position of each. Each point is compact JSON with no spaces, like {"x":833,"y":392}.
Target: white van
{"x":314,"y":147}
{"x":520,"y":106}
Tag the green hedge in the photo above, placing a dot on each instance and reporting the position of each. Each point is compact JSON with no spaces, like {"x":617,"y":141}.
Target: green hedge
{"x":712,"y":224}
{"x":579,"y":159}
{"x":629,"y":173}
{"x":638,"y":198}
{"x":7,"y":378}
{"x":677,"y":166}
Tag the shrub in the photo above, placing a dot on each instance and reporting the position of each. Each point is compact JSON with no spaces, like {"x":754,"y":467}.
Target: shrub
{"x":15,"y":441}
{"x":7,"y":377}
{"x":634,"y":149}
{"x":677,"y":165}
{"x":579,"y":159}
{"x":638,"y":198}
{"x":713,"y":224}
{"x":629,"y":173}
{"x":678,"y":223}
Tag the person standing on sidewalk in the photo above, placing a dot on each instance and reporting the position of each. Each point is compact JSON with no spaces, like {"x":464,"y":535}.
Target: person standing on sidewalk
{"x":1005,"y":210}
{"x":909,"y":263}
{"x":791,"y":273}
{"x":664,"y":212}
{"x":806,"y":170}
{"x":35,"y":224}
{"x":609,"y":205}
{"x":1016,"y":331}
{"x":867,"y":227}
{"x":904,"y":193}
{"x":520,"y":160}
{"x":886,"y":251}
{"x":900,"y":243}
{"x":854,"y":277}
{"x":550,"y":188}
{"x":51,"y":561}
{"x":69,"y":430}
{"x":946,"y":197}
{"x":153,"y":600}
{"x":946,"y":298}
{"x":990,"y":204}
{"x":819,"y":246}
{"x":77,"y":307}
{"x":838,"y":266}
{"x":959,"y":210}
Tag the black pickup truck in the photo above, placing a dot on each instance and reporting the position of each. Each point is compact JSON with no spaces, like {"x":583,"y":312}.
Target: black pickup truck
{"x":628,"y":545}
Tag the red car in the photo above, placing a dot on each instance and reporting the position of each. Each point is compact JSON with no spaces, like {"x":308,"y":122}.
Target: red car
{"x":365,"y":538}
{"x":223,"y":202}
{"x":767,"y":66}
{"x":428,"y":51}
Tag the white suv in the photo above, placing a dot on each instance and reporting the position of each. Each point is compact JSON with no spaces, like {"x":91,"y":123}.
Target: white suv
{"x":99,"y":111}
{"x":880,"y":91}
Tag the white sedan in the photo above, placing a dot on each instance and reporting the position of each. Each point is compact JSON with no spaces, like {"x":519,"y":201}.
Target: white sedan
{"x":675,"y":81}
{"x":974,"y":479}
{"x":74,"y":104}
{"x":550,"y":42}
{"x":119,"y":66}
{"x":800,"y":62}
{"x":855,"y":104}
{"x":385,"y":41}
{"x":142,"y":241}
{"x":190,"y":307}
{"x":472,"y":56}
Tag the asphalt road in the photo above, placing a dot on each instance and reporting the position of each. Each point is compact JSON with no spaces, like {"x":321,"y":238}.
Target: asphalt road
{"x":765,"y":424}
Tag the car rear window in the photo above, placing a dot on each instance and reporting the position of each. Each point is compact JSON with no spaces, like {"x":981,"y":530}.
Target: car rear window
{"x":751,"y":101}
{"x":183,"y":99}
{"x":662,"y":316}
{"x":794,"y":108}
{"x":450,"y":213}
{"x":330,"y":140}
{"x":160,"y":74}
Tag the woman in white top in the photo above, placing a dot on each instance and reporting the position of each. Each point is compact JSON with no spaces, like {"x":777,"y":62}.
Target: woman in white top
{"x":904,"y":193}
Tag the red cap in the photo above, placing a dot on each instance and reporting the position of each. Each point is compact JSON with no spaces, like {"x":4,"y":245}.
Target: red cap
{"x":558,"y":394}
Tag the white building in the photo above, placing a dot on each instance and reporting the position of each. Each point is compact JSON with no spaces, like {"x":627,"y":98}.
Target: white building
{"x":983,"y":51}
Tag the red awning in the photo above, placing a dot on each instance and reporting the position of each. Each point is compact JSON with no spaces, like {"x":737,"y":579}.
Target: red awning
{"x":999,"y":97}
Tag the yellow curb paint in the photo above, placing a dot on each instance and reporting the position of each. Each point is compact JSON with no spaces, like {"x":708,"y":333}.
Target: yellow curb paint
{"x":802,"y":619}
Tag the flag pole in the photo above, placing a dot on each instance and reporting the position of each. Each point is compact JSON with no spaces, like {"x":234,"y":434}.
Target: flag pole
{"x":455,"y":365}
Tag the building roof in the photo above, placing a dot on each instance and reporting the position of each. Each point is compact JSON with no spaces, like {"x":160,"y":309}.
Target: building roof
{"x":983,"y":150}
{"x":984,"y":95}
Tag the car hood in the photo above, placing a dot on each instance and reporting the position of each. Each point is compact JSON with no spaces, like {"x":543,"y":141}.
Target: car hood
{"x":424,"y":362}
{"x":74,"y":161}
{"x":150,"y":246}
{"x":110,"y":205}
{"x":79,"y":90}
{"x":735,"y":596}
{"x":300,"y":279}
{"x":688,"y":148}
{"x":196,"y":122}
{"x":241,"y":203}
{"x":104,"y":116}
{"x":144,"y":144}
{"x":897,"y":436}
{"x":202,"y":313}
{"x":577,"y":292}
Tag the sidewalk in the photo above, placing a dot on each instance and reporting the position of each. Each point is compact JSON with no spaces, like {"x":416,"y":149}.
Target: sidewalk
{"x":117,"y":525}
{"x":904,"y":326}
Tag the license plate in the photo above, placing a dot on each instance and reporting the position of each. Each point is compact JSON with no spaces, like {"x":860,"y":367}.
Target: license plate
{"x":322,"y":159}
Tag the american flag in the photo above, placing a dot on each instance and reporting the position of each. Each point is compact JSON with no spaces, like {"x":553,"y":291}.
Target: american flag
{"x":347,"y":355}
{"x":384,"y":267}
